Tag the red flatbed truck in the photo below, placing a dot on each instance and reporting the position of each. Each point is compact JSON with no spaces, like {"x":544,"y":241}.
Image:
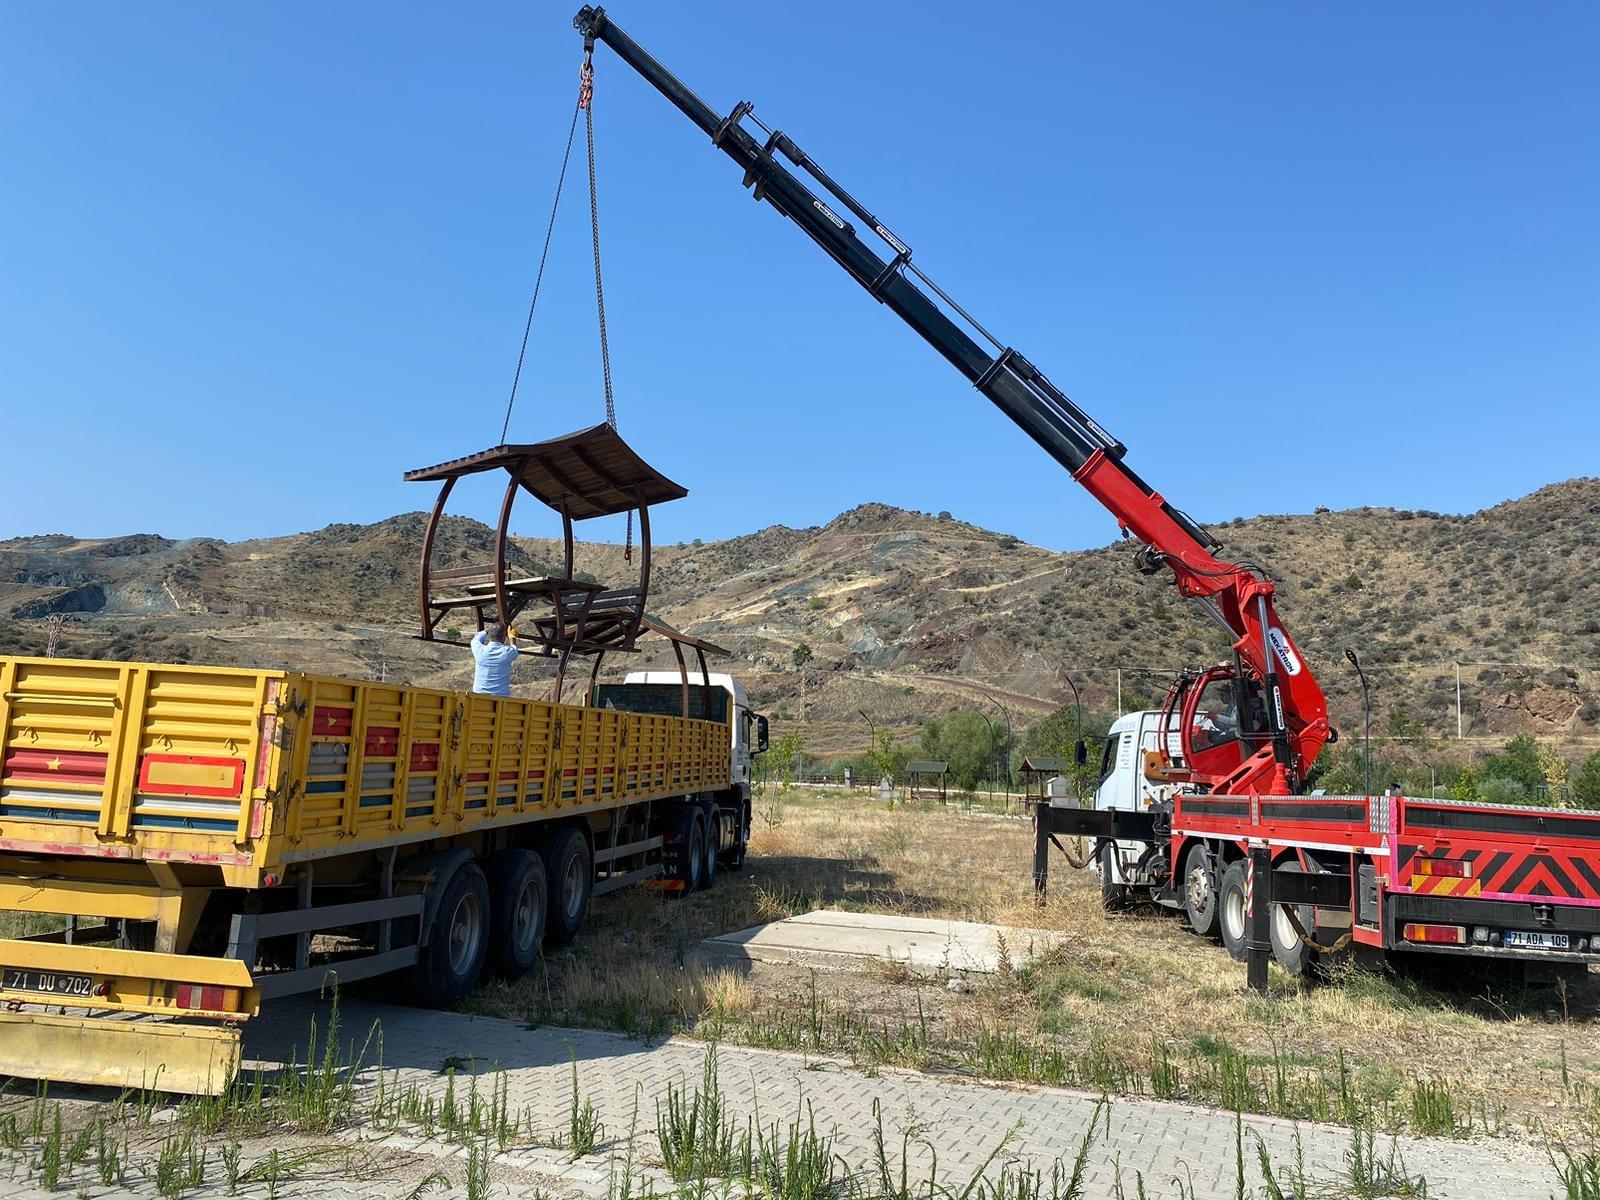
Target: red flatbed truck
{"x":1394,"y":874}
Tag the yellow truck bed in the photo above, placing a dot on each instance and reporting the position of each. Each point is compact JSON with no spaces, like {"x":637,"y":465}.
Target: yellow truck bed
{"x":187,"y":801}
{"x":239,"y":773}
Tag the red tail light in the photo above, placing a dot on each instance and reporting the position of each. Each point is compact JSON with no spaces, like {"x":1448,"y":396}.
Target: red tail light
{"x":210,"y":999}
{"x":1450,"y":935}
{"x":1449,"y":868}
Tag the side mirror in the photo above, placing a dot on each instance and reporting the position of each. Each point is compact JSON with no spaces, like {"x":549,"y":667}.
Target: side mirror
{"x":761,"y":736}
{"x":1080,"y":753}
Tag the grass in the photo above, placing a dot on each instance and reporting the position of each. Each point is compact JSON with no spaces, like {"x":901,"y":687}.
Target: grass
{"x":1089,"y":1012}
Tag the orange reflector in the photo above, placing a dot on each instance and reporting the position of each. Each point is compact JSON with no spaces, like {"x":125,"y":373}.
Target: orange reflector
{"x":1452,"y":868}
{"x":1452,"y":935}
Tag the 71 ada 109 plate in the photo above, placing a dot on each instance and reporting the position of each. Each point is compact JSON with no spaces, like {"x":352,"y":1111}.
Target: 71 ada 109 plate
{"x":51,"y":983}
{"x":1538,"y":941}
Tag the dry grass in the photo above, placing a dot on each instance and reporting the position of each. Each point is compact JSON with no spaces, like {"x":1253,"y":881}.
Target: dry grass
{"x":1116,"y":998}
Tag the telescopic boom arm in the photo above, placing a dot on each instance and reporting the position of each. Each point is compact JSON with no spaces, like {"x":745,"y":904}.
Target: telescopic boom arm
{"x":1239,"y":598}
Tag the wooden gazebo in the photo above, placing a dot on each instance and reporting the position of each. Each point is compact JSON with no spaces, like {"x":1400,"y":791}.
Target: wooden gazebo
{"x":927,"y":779}
{"x":1037,"y":770}
{"x":591,"y":473}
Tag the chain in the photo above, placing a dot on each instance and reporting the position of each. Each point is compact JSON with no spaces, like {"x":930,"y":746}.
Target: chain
{"x":585,"y":102}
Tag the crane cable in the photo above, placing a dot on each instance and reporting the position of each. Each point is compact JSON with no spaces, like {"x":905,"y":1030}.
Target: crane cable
{"x":544,"y":257}
{"x":585,"y":102}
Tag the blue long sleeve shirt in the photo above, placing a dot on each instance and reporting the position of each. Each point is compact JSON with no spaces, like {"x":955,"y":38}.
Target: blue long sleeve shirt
{"x":492,"y":675}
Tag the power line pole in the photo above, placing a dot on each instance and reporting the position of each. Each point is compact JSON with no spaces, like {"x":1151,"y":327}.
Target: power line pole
{"x":1458,"y":702}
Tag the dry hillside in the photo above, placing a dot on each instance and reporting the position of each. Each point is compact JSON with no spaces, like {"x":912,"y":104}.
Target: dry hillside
{"x":906,"y":614}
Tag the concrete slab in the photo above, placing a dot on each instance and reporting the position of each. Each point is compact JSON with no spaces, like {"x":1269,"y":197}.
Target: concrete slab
{"x":828,"y":938}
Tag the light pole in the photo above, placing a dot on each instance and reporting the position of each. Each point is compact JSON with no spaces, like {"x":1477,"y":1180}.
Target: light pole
{"x":1006,"y":759}
{"x":1080,"y":751}
{"x":990,"y":724}
{"x":1366,"y":717}
{"x":872,"y":750}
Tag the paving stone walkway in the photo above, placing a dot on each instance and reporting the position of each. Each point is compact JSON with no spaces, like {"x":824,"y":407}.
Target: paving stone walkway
{"x":1176,"y":1150}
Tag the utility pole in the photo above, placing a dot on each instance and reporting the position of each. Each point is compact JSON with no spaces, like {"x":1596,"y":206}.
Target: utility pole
{"x":1119,"y":691}
{"x":1458,"y":702}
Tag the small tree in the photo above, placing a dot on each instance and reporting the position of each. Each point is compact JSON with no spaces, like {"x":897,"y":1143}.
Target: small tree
{"x":801,"y":654}
{"x":1586,"y":783}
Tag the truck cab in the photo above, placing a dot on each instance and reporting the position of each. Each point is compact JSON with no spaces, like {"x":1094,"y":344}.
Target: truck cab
{"x":1125,"y":786}
{"x":719,"y":696}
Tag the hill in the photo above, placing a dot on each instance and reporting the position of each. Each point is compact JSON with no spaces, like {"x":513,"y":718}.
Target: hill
{"x":908,"y":614}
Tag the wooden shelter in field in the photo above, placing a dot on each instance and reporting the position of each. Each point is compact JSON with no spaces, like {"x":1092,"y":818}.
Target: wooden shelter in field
{"x":927,"y":778}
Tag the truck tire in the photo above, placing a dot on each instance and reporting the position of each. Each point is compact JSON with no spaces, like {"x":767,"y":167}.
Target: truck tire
{"x":519,"y":900}
{"x":1288,"y":947}
{"x":713,"y":823}
{"x":570,"y":870}
{"x":452,"y":962}
{"x":1200,"y":890}
{"x":1232,"y":917}
{"x":694,"y":852}
{"x":1113,"y":895}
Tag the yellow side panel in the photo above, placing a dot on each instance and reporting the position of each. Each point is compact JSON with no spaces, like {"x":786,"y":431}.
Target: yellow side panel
{"x":133,"y":760}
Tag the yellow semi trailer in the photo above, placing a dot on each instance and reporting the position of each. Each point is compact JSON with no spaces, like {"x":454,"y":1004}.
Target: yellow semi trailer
{"x":201,"y":839}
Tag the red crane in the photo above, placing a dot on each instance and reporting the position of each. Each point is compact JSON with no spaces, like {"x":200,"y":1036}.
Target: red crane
{"x":1267,"y":699}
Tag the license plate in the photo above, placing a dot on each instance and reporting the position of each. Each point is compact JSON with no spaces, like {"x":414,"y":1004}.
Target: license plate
{"x":51,"y":983}
{"x":1537,"y":941}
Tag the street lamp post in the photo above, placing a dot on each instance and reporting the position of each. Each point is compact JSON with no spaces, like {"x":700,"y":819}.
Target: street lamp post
{"x":990,"y":724}
{"x":1366,"y":716}
{"x":1006,"y":759}
{"x":1080,"y":751}
{"x":872,"y":749}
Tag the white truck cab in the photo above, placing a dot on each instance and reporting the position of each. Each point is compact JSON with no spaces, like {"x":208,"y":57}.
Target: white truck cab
{"x":1123,"y":785}
{"x":663,"y":692}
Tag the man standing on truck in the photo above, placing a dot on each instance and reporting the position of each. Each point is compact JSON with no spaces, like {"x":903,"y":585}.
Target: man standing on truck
{"x":493,"y":653}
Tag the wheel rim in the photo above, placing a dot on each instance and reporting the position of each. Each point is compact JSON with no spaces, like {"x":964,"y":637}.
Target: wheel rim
{"x":711,"y":849}
{"x":1233,"y":913}
{"x":572,"y":887}
{"x":1283,"y":930}
{"x":697,"y":850}
{"x":1197,"y":887}
{"x":466,"y":933}
{"x":525,"y":916}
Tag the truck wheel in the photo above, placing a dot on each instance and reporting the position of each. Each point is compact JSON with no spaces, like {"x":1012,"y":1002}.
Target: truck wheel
{"x":713,"y":826}
{"x":1113,"y":895}
{"x":519,"y":898}
{"x":570,"y":870}
{"x":694,"y":853}
{"x":1288,"y":947}
{"x":452,"y":961}
{"x":1232,"y":917}
{"x":1200,"y":891}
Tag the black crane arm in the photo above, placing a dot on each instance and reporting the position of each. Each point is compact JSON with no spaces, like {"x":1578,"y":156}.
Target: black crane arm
{"x":1233,"y":593}
{"x":1015,"y":385}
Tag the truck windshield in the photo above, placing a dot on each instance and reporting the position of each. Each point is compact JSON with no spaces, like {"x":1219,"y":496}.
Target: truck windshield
{"x":662,"y":699}
{"x":1108,"y":757}
{"x":1216,"y":717}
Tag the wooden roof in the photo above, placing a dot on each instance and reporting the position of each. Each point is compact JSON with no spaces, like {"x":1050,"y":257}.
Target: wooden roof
{"x":927,"y":768}
{"x":1044,"y":763}
{"x":656,"y":625}
{"x":591,"y":473}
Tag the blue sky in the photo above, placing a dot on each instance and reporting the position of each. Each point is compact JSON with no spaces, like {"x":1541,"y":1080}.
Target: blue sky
{"x":258,"y":261}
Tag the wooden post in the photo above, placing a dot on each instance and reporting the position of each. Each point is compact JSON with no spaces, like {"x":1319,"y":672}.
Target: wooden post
{"x":427,"y":553}
{"x":501,"y":598}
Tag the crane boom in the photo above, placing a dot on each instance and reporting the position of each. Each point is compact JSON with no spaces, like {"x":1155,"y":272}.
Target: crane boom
{"x":1293,"y":712}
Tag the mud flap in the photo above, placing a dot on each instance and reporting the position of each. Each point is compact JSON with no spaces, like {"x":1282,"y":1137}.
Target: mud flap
{"x":156,"y":1055}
